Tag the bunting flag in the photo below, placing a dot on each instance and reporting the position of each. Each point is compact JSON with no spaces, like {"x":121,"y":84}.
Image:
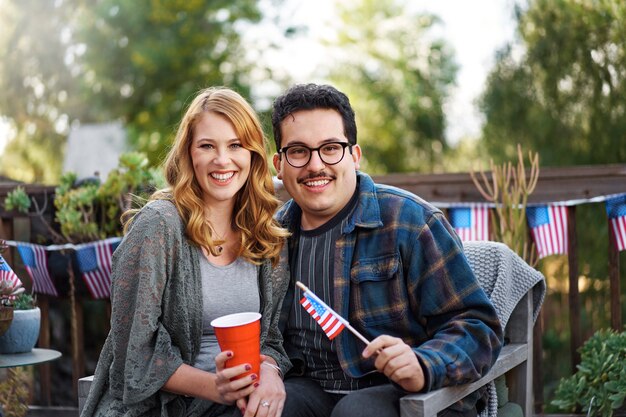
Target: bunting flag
{"x":330,"y":321}
{"x":94,"y":261}
{"x":7,"y":274}
{"x":616,"y":211}
{"x":35,"y":260}
{"x":470,"y":223}
{"x":548,"y":226}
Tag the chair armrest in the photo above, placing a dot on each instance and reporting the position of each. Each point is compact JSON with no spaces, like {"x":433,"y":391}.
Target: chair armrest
{"x":430,"y":403}
{"x":84,"y":384}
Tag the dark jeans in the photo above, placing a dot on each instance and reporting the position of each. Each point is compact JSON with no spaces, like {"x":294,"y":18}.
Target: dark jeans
{"x":305,"y":398}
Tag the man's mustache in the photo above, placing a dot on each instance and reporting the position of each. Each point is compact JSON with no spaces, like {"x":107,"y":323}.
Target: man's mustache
{"x":314,"y":175}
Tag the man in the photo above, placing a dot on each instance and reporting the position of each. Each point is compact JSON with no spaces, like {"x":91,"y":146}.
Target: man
{"x":382,"y":258}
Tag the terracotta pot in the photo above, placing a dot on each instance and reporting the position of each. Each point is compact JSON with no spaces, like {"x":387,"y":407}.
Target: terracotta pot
{"x":6,"y":317}
{"x":23,"y":333}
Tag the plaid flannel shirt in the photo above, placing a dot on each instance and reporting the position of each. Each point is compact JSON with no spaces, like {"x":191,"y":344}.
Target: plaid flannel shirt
{"x":400,"y":270}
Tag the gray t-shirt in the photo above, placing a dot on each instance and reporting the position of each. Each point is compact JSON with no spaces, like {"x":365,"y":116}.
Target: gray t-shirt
{"x":228,"y":289}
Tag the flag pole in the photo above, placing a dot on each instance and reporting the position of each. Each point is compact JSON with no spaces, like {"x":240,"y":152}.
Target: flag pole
{"x":341,"y":319}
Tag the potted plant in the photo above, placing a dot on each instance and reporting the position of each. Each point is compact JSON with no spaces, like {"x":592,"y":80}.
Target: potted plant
{"x":23,"y":332}
{"x":9,"y":289}
{"x":599,"y":385}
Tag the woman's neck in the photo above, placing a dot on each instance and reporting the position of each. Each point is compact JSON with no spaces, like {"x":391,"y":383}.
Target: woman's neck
{"x":220,"y":219}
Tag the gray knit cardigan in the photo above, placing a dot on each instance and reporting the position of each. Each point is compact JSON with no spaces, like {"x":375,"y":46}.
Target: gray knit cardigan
{"x":156,"y":321}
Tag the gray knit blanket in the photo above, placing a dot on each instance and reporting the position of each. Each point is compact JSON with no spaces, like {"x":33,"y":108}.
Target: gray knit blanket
{"x":506,"y":278}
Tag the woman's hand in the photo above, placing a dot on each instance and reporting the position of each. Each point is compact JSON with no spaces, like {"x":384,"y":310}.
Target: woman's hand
{"x":268,"y":399}
{"x":231,"y":391}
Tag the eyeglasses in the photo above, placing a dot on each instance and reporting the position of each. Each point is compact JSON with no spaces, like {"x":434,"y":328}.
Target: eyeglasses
{"x":330,"y":153}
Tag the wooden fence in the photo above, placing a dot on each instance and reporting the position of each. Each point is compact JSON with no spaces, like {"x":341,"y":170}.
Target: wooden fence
{"x":555,"y":185}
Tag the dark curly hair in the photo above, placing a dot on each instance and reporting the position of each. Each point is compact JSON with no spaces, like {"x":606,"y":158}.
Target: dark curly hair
{"x":311,"y":97}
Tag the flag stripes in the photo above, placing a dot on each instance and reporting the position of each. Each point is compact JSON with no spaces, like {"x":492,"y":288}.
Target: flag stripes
{"x":35,"y":260}
{"x":330,"y":323}
{"x":94,"y":261}
{"x":470,"y":223}
{"x":616,"y":211}
{"x":549,"y":229}
{"x":619,"y":231}
{"x":7,"y":274}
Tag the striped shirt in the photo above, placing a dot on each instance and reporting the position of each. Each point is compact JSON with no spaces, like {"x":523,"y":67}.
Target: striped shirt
{"x":312,"y":264}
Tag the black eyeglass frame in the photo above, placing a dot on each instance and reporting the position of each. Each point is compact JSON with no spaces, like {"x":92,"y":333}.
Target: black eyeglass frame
{"x":343,"y":145}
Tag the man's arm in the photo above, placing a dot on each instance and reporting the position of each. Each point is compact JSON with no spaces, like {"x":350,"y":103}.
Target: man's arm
{"x":464,"y":333}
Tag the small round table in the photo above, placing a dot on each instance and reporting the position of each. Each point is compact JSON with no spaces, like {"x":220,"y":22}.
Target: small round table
{"x":35,"y":356}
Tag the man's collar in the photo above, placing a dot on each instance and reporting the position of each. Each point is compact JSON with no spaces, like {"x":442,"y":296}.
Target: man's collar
{"x":366,"y":214}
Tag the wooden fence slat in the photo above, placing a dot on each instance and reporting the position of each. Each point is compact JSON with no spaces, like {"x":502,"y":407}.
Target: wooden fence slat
{"x":45,"y":376}
{"x":616,"y":308}
{"x":574,"y":294}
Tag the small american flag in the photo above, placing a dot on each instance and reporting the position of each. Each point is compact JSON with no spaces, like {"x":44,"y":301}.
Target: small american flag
{"x":470,"y":223}
{"x":35,"y":260}
{"x":616,"y":211}
{"x":94,"y":261}
{"x":330,"y":321}
{"x":7,"y":274}
{"x":548,"y":225}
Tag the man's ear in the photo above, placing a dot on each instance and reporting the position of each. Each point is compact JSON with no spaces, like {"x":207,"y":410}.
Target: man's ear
{"x":356,"y":156}
{"x":276,"y":161}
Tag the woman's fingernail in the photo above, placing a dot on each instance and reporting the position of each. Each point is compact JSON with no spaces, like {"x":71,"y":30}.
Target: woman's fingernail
{"x":229,"y":354}
{"x":248,"y":367}
{"x":253,"y":377}
{"x":256,"y":384}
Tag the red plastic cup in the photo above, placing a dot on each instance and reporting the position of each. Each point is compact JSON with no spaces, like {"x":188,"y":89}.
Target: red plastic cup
{"x":241,"y":334}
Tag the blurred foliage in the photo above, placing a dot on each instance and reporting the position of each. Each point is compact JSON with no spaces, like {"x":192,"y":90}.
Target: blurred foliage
{"x":17,"y":199}
{"x":144,"y":60}
{"x":15,"y":392}
{"x":138,"y":62}
{"x":24,"y":302}
{"x":600,"y":381}
{"x":561,"y":92}
{"x":89,"y":210}
{"x":397,"y":78}
{"x":35,"y":84}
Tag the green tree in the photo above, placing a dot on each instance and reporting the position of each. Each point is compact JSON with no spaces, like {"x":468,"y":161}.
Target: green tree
{"x":36,"y":85}
{"x":564,"y":96}
{"x":397,"y":77}
{"x":144,"y":60}
{"x":70,"y":61}
{"x":559,"y":90}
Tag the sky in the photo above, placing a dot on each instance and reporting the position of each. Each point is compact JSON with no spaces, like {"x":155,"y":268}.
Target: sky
{"x":475,"y":29}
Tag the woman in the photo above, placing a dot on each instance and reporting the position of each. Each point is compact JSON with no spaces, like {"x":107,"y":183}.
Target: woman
{"x":206,"y":246}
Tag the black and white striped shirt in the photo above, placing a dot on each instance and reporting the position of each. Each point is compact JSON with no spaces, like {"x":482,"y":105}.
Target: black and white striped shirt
{"x":312,"y":264}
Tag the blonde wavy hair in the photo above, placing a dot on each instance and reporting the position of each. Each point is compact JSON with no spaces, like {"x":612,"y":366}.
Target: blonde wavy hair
{"x":255,"y":203}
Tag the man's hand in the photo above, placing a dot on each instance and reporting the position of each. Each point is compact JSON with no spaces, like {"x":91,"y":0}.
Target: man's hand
{"x":397,"y":361}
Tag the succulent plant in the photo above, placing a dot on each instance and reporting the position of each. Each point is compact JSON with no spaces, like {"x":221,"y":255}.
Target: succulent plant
{"x":24,"y":302}
{"x":8,"y":291}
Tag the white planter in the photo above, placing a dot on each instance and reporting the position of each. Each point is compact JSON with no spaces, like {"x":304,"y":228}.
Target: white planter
{"x":23,"y":333}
